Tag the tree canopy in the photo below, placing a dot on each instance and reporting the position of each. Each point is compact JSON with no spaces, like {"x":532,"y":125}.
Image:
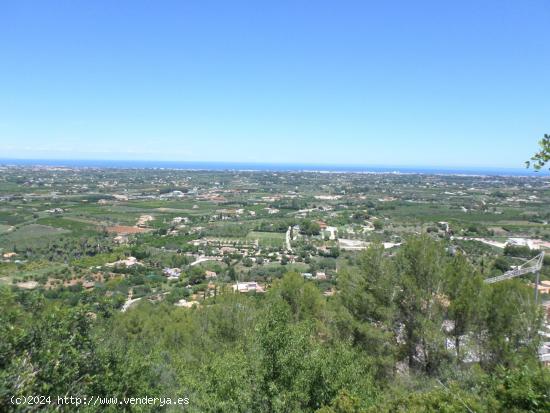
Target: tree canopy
{"x":413,"y":331}
{"x":542,"y":157}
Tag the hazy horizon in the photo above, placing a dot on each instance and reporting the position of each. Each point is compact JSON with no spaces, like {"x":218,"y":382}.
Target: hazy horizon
{"x":273,"y":166}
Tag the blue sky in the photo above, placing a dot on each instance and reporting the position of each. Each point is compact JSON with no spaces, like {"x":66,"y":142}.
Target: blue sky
{"x":423,"y":83}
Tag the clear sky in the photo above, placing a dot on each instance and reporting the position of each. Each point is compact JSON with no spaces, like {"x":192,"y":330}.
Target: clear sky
{"x":421,"y":83}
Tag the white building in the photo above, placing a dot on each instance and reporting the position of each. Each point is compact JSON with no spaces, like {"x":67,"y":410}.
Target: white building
{"x":247,"y":287}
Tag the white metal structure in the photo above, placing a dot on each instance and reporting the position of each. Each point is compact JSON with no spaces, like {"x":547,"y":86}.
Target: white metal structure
{"x":534,"y":265}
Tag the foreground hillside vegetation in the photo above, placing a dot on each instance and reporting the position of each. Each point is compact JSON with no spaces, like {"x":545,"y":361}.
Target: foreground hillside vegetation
{"x":413,"y":331}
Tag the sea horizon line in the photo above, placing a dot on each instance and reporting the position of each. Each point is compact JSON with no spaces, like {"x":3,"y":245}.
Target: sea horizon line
{"x":273,"y":166}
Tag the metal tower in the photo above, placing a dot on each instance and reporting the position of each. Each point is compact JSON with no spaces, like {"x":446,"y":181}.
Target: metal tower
{"x":534,"y":265}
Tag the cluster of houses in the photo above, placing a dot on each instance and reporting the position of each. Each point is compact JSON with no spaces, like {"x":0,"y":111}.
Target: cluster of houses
{"x":172,"y":273}
{"x":143,"y":221}
{"x":180,"y":220}
{"x":128,"y":262}
{"x":55,"y":211}
{"x":175,"y":273}
{"x":187,"y":304}
{"x":247,"y":287}
{"x":319,"y":275}
{"x":534,"y":244}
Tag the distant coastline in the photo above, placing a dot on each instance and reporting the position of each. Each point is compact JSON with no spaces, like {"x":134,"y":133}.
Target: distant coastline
{"x":275,"y":167}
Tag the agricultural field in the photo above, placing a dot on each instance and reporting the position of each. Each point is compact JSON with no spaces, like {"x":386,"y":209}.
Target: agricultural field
{"x":268,"y":239}
{"x":32,"y":234}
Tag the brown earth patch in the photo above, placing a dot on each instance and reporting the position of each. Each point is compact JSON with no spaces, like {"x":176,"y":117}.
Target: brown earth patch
{"x":122,"y":229}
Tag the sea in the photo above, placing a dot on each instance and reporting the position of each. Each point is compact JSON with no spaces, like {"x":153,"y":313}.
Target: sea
{"x":274,"y":167}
